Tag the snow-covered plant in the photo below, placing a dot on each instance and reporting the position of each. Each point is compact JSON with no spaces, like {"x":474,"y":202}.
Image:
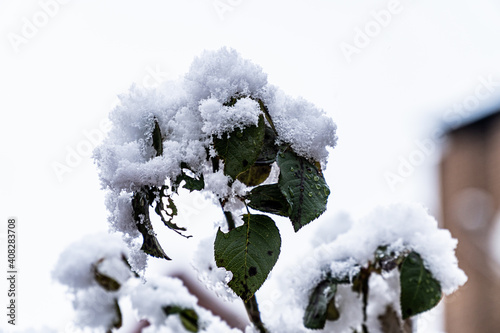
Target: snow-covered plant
{"x":99,"y":277}
{"x":224,"y":131}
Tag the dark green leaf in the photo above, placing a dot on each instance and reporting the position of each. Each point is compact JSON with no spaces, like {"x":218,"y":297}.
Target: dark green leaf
{"x":265,"y":110}
{"x":420,"y":291}
{"x":304,"y":188}
{"x":269,"y":199}
{"x":194,"y":184}
{"x":168,"y":211}
{"x":256,"y":175}
{"x":269,"y":149}
{"x":189,"y":317}
{"x":150,"y":245}
{"x":241,"y":148}
{"x":249,"y":252}
{"x":191,"y":183}
{"x":157,"y":139}
{"x":321,"y":305}
{"x":107,"y":282}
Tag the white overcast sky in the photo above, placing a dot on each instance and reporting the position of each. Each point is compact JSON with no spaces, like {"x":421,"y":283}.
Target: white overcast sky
{"x":61,"y":68}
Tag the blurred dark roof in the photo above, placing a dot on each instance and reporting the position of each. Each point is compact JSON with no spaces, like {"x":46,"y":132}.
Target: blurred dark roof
{"x":476,"y":119}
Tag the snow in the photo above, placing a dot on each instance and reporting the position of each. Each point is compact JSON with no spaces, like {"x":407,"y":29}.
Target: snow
{"x":94,"y":308}
{"x":223,"y":74}
{"x":219,"y":119}
{"x":149,"y":298}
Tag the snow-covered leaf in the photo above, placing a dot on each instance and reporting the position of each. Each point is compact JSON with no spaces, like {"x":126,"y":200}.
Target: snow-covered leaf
{"x":321,"y":305}
{"x":420,"y":291}
{"x":256,"y":175}
{"x":190,"y":183}
{"x":303,"y":186}
{"x":105,"y":281}
{"x":249,"y":252}
{"x":189,"y":317}
{"x":240,"y":148}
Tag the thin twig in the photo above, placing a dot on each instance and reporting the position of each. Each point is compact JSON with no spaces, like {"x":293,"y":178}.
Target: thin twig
{"x":254,"y":314}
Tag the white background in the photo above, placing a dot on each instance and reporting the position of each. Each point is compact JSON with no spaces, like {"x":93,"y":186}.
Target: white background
{"x":63,"y":64}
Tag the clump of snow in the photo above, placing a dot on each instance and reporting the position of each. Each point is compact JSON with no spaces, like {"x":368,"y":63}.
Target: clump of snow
{"x":94,"y":307}
{"x":224,"y":74}
{"x":219,"y":119}
{"x":307,"y":129}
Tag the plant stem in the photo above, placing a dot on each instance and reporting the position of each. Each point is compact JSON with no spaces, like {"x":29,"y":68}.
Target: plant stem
{"x":254,"y":314}
{"x":230,"y":220}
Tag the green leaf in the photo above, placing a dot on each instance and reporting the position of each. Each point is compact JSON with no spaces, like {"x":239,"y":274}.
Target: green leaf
{"x":157,"y":139}
{"x":249,"y":252}
{"x":191,"y":183}
{"x":150,"y":244}
{"x":303,"y":186}
{"x":241,"y":148}
{"x":189,"y":317}
{"x":269,"y":149}
{"x":105,"y":281}
{"x":321,"y":305}
{"x":256,"y":175}
{"x":269,"y":199}
{"x":420,"y":291}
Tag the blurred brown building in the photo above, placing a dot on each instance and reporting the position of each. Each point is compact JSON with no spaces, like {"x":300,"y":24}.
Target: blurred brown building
{"x":470,"y":201}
